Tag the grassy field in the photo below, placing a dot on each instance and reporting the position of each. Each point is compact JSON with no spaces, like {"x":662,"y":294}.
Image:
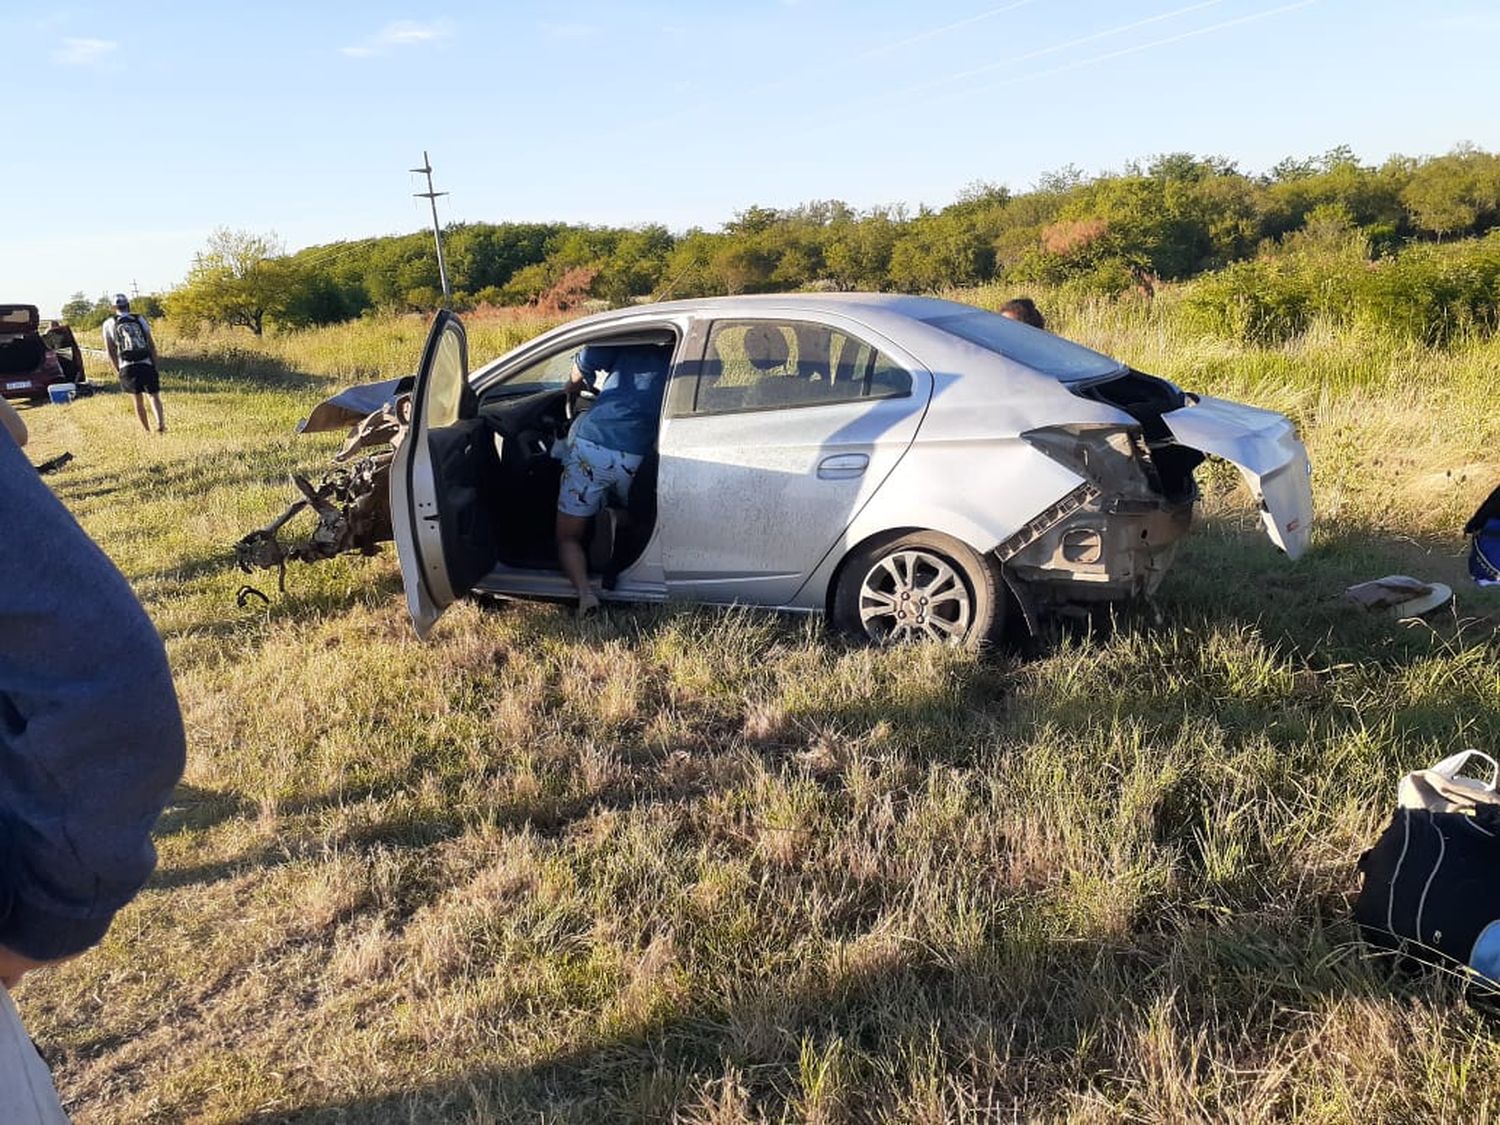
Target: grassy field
{"x":712,"y":867}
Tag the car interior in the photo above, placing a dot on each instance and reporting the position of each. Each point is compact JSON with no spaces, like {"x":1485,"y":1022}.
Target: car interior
{"x":60,"y":338}
{"x":524,"y":422}
{"x":1146,"y":398}
{"x":760,"y":366}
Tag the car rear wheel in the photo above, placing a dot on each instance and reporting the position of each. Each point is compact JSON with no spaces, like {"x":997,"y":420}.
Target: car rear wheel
{"x":922,"y":586}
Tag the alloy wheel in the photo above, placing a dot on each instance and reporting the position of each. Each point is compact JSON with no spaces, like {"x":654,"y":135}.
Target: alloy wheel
{"x":915,"y":595}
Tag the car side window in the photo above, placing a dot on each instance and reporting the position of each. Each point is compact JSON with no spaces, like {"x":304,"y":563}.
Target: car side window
{"x":553,"y":371}
{"x":772,"y":365}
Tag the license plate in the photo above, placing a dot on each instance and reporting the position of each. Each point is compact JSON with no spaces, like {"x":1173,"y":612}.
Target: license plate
{"x":24,"y":385}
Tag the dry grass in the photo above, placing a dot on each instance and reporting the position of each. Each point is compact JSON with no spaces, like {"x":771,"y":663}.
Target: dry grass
{"x":710,"y":867}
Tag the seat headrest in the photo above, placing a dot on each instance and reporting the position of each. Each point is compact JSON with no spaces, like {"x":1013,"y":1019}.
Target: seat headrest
{"x":765,"y":347}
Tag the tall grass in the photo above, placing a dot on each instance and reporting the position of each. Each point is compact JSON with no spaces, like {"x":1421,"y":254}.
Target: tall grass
{"x":377,"y":346}
{"x":714,"y":867}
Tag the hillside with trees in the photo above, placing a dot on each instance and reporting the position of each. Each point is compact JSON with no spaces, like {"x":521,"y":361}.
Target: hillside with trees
{"x":1271,"y":242}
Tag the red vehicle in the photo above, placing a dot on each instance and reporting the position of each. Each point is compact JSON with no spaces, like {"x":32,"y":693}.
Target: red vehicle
{"x":31,"y":359}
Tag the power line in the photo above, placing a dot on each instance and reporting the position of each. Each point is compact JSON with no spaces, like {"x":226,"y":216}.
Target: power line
{"x":903,"y":94}
{"x":1079,"y":64}
{"x":870,"y":112}
{"x":934,"y":32}
{"x":746,"y":96}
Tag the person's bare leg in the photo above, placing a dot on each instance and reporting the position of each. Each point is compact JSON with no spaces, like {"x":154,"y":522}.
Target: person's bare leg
{"x":140,"y":411}
{"x":161,"y":421}
{"x":570,"y":554}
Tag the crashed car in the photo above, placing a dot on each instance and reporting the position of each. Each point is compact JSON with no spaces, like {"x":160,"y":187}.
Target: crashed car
{"x":914,"y":468}
{"x":31,"y":360}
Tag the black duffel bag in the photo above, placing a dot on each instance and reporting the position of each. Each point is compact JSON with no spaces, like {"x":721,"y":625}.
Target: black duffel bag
{"x":1432,"y":889}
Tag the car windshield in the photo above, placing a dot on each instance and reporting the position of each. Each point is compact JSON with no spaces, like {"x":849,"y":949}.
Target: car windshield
{"x":1041,"y":351}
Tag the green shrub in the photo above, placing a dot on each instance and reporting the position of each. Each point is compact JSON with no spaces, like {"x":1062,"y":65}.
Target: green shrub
{"x":1427,"y":293}
{"x":1263,"y":301}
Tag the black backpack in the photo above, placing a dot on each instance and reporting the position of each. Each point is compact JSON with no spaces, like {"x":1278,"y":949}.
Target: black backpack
{"x":1432,"y":881}
{"x":131,"y":340}
{"x":1432,"y":889}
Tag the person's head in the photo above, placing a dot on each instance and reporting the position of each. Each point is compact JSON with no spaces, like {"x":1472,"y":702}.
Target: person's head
{"x":1024,"y":309}
{"x":122,"y":303}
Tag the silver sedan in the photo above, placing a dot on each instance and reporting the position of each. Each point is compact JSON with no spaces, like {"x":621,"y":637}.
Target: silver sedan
{"x":913,"y":468}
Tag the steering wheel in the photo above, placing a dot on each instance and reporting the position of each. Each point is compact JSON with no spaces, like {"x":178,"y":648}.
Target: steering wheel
{"x":571,"y":409}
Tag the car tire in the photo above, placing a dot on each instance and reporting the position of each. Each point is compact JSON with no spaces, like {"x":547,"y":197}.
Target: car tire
{"x":920,"y":586}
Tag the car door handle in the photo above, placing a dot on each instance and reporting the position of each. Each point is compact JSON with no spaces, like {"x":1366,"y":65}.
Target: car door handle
{"x":843,"y":466}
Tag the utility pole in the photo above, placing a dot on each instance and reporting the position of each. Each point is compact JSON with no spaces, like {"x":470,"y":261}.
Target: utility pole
{"x":135,"y":290}
{"x":437,"y":231}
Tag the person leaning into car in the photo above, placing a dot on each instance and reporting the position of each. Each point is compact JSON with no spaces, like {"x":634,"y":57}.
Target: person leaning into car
{"x":91,"y":744}
{"x":606,"y":445}
{"x":138,"y":376}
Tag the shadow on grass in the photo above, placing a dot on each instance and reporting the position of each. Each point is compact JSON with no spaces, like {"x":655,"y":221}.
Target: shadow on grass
{"x":248,"y":625}
{"x":1020,"y":1027}
{"x":183,"y":478}
{"x":235,"y":371}
{"x":1227,"y":572}
{"x":194,"y":809}
{"x":1026,"y":1011}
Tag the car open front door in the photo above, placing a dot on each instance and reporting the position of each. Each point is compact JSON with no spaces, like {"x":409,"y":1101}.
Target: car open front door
{"x":1265,"y":448}
{"x":443,"y":481}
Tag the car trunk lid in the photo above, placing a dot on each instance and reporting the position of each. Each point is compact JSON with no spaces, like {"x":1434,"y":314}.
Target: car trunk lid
{"x":16,"y":320}
{"x":1264,"y":446}
{"x":1180,"y":428}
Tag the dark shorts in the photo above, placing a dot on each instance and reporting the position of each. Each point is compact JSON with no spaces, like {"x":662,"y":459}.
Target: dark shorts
{"x":141,"y":379}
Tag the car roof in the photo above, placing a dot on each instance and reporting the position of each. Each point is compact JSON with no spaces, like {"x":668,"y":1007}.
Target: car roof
{"x":928,"y":326}
{"x":900,"y":304}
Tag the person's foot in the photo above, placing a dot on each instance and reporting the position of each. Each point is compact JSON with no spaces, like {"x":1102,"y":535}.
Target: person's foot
{"x":162,"y":428}
{"x":588,"y":606}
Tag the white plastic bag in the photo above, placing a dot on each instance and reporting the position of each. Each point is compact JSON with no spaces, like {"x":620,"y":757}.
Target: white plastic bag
{"x":1443,"y":788}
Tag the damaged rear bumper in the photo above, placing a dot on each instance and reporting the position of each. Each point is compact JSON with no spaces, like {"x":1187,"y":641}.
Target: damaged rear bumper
{"x":1092,"y":547}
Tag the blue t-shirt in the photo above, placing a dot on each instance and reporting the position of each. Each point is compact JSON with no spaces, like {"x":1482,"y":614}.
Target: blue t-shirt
{"x":628,"y":411}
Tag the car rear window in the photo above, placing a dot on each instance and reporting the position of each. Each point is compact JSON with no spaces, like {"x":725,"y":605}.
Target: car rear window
{"x":1041,"y":351}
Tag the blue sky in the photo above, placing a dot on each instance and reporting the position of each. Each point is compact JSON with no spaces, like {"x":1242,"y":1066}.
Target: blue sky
{"x":155,"y":122}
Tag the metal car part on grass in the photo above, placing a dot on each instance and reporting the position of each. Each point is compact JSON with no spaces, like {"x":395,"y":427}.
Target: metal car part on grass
{"x":352,"y":505}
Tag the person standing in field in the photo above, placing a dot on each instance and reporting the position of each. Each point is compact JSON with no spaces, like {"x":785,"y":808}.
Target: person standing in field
{"x":91,"y":745}
{"x":132,"y":351}
{"x":1024,"y":309}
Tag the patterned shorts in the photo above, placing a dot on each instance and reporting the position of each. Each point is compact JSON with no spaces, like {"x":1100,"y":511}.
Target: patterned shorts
{"x":590,"y":473}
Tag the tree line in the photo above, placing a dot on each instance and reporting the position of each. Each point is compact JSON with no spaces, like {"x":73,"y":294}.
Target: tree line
{"x":1167,"y":219}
